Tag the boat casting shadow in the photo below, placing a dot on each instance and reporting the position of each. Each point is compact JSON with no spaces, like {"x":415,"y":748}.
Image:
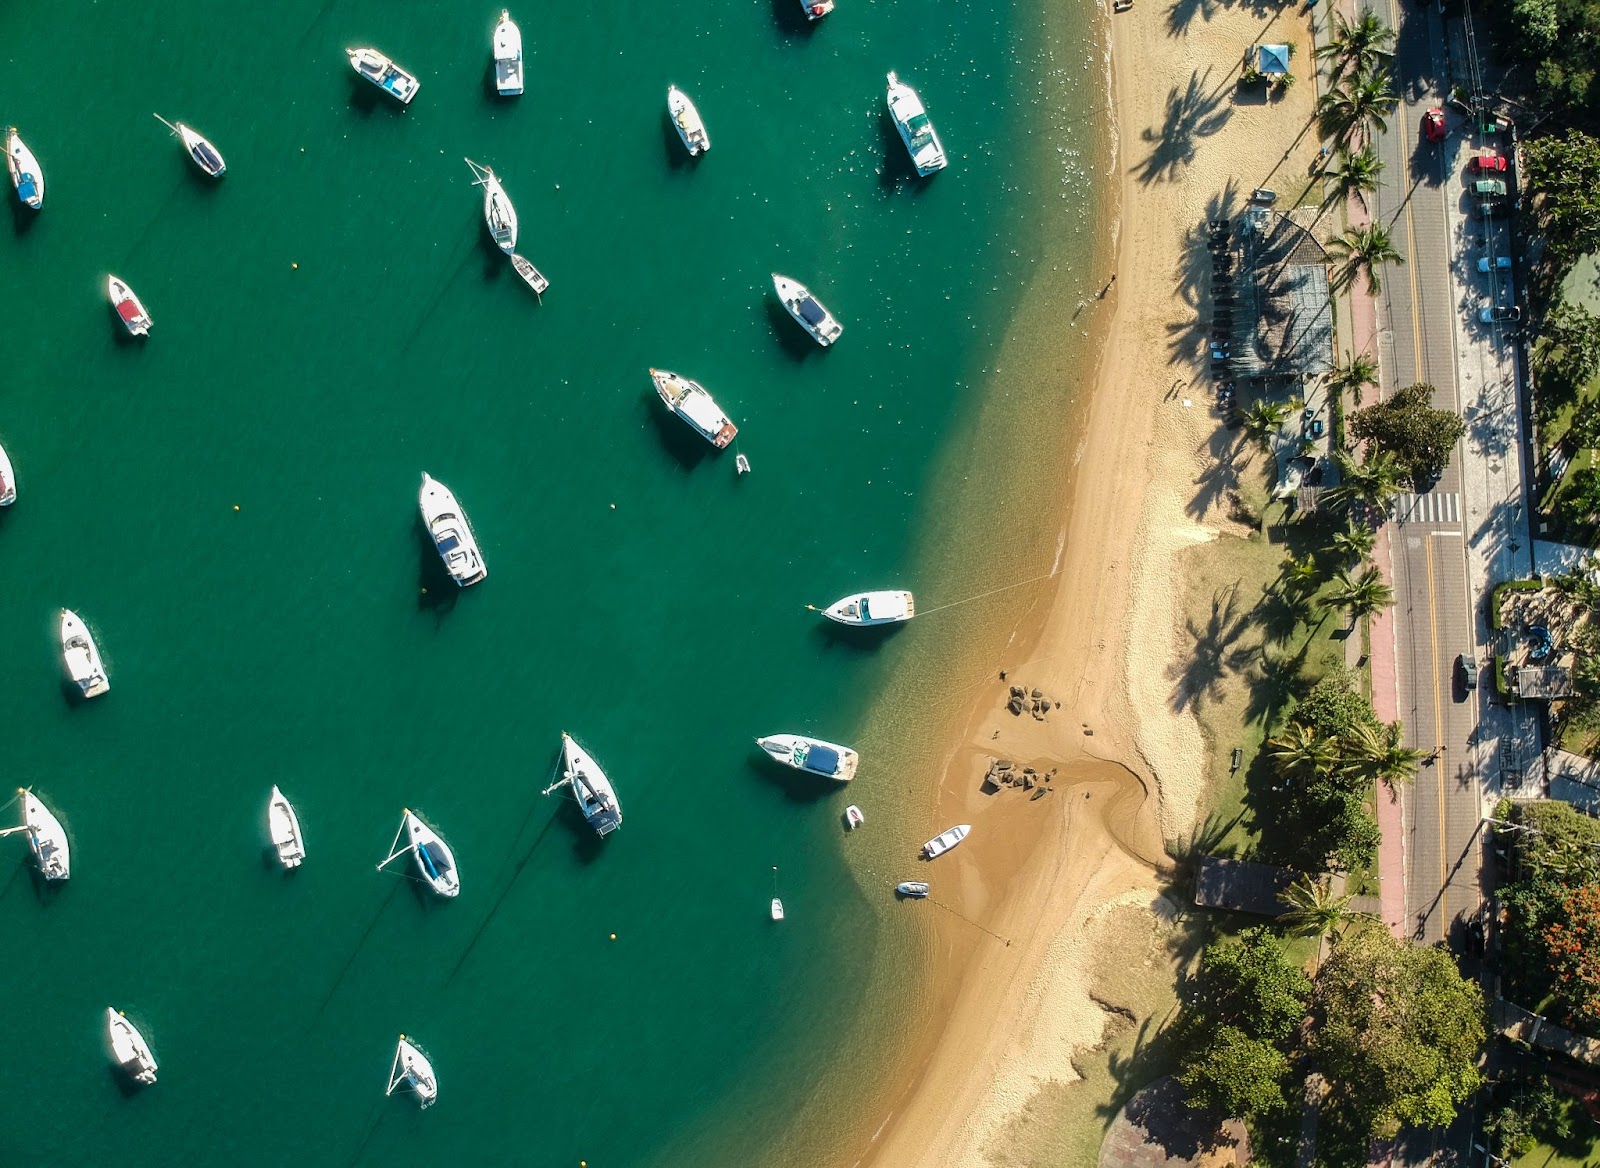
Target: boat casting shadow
{"x":678,"y":156}
{"x":795,"y":342}
{"x":505,"y":891}
{"x":361,"y":944}
{"x":898,"y":172}
{"x":860,"y":638}
{"x":365,"y":97}
{"x":791,"y":21}
{"x":126,"y":1084}
{"x":22,"y":217}
{"x":437,"y":592}
{"x":797,"y":786}
{"x":681,"y":442}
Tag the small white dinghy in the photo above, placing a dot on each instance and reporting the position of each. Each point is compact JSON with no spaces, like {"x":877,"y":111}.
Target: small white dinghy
{"x":596,"y":797}
{"x":129,"y":1050}
{"x":777,"y":909}
{"x":283,"y":825}
{"x":807,"y":310}
{"x":531,"y":276}
{"x":412,"y":1068}
{"x":916,"y":889}
{"x":873,"y":608}
{"x":82,"y":656}
{"x":8,"y":480}
{"x":201,"y":152}
{"x":47,"y":839}
{"x":853,"y":817}
{"x":507,"y":56}
{"x":26,"y":176}
{"x":130,"y":309}
{"x":686,"y":118}
{"x":741,"y":464}
{"x":944,"y":841}
{"x":451,"y":531}
{"x":498,"y":213}
{"x":433,"y":856}
{"x":812,"y":755}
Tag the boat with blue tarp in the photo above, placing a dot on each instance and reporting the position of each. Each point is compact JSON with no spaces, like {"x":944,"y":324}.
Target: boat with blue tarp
{"x":812,"y":755}
{"x":385,"y":74}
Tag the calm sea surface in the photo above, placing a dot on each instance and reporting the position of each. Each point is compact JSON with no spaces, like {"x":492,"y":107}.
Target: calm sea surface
{"x":232,"y":507}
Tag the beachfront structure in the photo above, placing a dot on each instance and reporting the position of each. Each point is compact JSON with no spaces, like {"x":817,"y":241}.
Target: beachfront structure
{"x":1272,"y":60}
{"x":1281,"y":323}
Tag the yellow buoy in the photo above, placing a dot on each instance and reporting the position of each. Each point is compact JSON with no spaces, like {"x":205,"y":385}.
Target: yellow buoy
{"x":296,"y":267}
{"x":236,"y":506}
{"x":613,"y":936}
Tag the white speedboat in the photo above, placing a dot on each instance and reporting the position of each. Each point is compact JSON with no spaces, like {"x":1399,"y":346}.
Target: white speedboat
{"x":531,"y":276}
{"x":283,"y":825}
{"x":690,"y":401}
{"x":26,"y":176}
{"x":687,"y":120}
{"x":777,"y":909}
{"x":8,"y":480}
{"x":129,"y":1050}
{"x":498,"y":213}
{"x":916,"y":130}
{"x":873,"y":608}
{"x":47,"y":839}
{"x":812,"y":755}
{"x":201,"y":152}
{"x":384,"y":73}
{"x":808,"y":310}
{"x":412,"y":1068}
{"x":82,"y":656}
{"x":507,"y":56}
{"x":435,"y":860}
{"x":741,"y":464}
{"x":816,"y":9}
{"x":913,"y":888}
{"x":853,"y":817}
{"x":452,"y":534}
{"x":130,"y":309}
{"x":596,"y":797}
{"x":944,"y":841}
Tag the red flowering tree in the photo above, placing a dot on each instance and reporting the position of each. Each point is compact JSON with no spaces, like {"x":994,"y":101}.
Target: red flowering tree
{"x":1572,"y":943}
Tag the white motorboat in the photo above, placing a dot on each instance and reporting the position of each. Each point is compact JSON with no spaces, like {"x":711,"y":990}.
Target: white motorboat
{"x":913,"y":888}
{"x":531,"y":276}
{"x":596,"y":797}
{"x":812,"y":755}
{"x":201,"y":152}
{"x":777,"y":909}
{"x":47,"y":839}
{"x":690,"y":401}
{"x":873,"y":608}
{"x":498,"y":213}
{"x":741,"y":464}
{"x":916,"y":130}
{"x":433,"y":856}
{"x":507,"y":56}
{"x":283,"y":825}
{"x":808,"y":310}
{"x":944,"y":841}
{"x":452,"y":534}
{"x":82,"y":656}
{"x":130,"y":309}
{"x":8,"y":480}
{"x":26,"y":176}
{"x":687,"y":120}
{"x":816,"y":9}
{"x":384,"y":73}
{"x":853,"y":817}
{"x":412,"y":1068}
{"x":129,"y":1050}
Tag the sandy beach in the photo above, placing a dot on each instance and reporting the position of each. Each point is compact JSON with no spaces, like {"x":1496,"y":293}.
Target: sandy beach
{"x":1051,"y":884}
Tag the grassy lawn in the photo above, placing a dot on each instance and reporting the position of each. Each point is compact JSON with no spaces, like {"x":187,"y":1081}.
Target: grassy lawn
{"x":1579,"y":1150}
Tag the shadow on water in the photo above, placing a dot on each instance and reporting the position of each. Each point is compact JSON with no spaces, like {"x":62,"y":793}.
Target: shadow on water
{"x":372,"y":1129}
{"x":791,"y":18}
{"x":863,"y":639}
{"x":437,"y":592}
{"x":684,"y":444}
{"x":12,"y":879}
{"x":795,"y":342}
{"x":360,"y":944}
{"x":126,"y":1086}
{"x":678,"y":156}
{"x":898,"y":171}
{"x":505,"y":889}
{"x":22,"y":217}
{"x":797,"y":786}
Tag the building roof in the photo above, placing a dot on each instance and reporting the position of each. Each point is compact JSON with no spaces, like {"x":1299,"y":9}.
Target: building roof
{"x":1282,"y":320}
{"x":1273,"y":59}
{"x":1547,"y":682}
{"x":1241,"y":886}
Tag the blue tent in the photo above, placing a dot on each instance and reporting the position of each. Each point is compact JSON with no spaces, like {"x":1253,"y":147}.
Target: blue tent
{"x":1273,"y":60}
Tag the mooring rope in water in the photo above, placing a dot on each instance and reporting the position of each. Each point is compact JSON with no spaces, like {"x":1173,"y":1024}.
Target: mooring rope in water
{"x":940,"y":904}
{"x":979,"y":596}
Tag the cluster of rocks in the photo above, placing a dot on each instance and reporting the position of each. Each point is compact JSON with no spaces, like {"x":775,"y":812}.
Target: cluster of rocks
{"x":1003,"y":772}
{"x":1034,"y":701}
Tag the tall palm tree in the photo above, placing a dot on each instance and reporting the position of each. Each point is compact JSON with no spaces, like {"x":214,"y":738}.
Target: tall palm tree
{"x":1299,"y":750}
{"x":1301,"y":576}
{"x":1311,"y":909}
{"x":1354,"y":376}
{"x":1375,"y":751}
{"x":1262,"y":419}
{"x":1356,"y":176}
{"x":1355,"y":107}
{"x":1372,"y":483}
{"x":1361,"y":46}
{"x":1360,"y":595}
{"x":1353,"y":543}
{"x":1363,"y":249}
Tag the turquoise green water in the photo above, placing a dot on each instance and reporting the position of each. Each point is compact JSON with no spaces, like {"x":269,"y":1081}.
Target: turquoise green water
{"x":639,"y":594}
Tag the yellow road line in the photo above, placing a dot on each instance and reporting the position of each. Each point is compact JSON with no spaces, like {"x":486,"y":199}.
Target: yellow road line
{"x":1438,"y":727}
{"x":1411,"y":241}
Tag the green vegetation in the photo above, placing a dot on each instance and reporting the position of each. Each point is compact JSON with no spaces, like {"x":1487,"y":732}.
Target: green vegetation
{"x":1520,"y":1107}
{"x":1357,"y":48}
{"x":1406,"y":425}
{"x":1578,"y":717}
{"x":1569,"y":1138}
{"x":1356,"y":176}
{"x":1355,"y":106}
{"x":1497,"y":596}
{"x":1363,"y":249}
{"x":1564,"y":174}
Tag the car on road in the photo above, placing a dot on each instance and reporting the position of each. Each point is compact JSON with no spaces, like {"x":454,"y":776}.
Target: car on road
{"x":1489,"y":188}
{"x":1499,"y":313}
{"x":1498,"y":264}
{"x":1433,"y":127}
{"x":1467,"y":663}
{"x":1488,"y":163}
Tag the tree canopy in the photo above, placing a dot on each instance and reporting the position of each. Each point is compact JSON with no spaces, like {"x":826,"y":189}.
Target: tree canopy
{"x":1406,"y":425}
{"x":1564,"y":173}
{"x":1567,"y":354}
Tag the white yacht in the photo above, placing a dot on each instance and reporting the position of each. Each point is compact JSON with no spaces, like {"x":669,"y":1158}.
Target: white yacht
{"x":507,"y":56}
{"x":129,"y":1050}
{"x":130,"y":309}
{"x":687,"y":120}
{"x":812,"y":755}
{"x":26,"y":176}
{"x":435,"y":860}
{"x":597,"y":799}
{"x":283,"y":825}
{"x":498,"y":213}
{"x":807,"y":310}
{"x":873,"y":608}
{"x":47,"y":839}
{"x":201,"y":152}
{"x":82,"y":656}
{"x":944,"y":841}
{"x":452,"y":534}
{"x":8,"y":480}
{"x":412,"y":1068}
{"x":916,"y":130}
{"x":690,"y":401}
{"x":384,"y":73}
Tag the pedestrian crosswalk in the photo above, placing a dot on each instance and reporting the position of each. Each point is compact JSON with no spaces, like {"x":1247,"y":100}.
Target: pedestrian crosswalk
{"x":1437,"y":507}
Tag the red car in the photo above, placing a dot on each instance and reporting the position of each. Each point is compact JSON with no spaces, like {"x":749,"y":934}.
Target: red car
{"x":1488,"y":163}
{"x":1433,"y":125}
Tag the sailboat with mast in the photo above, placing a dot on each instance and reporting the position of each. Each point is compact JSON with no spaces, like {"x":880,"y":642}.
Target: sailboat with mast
{"x":47,"y":839}
{"x":498,"y":213}
{"x":129,"y":1050}
{"x":433,"y":856}
{"x":412,"y":1069}
{"x":201,"y":152}
{"x":596,"y":797}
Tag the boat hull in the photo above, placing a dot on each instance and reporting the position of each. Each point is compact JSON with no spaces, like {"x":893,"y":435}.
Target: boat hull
{"x":433,"y":857}
{"x":8,"y":480}
{"x":827,"y":760}
{"x":916,"y":889}
{"x":27,"y":178}
{"x":944,"y":841}
{"x":47,"y":839}
{"x":531,"y":276}
{"x":916,"y":128}
{"x":451,"y":532}
{"x":807,"y":310}
{"x":873,"y":608}
{"x":129,"y":308}
{"x":596,"y":797}
{"x":373,"y":66}
{"x":283,"y":825}
{"x":507,"y":44}
{"x":413,"y":1068}
{"x":129,"y":1050}
{"x":699,"y":411}
{"x":687,"y":121}
{"x":82,"y":656}
{"x":206,"y":157}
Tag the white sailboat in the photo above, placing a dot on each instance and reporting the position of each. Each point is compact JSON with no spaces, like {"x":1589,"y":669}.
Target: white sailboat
{"x":807,"y":310}
{"x":129,"y":1050}
{"x":130,"y":309}
{"x":283,"y":825}
{"x":596,"y":797}
{"x":686,"y":119}
{"x":498,"y":213}
{"x":433,"y":856}
{"x":507,"y":56}
{"x":873,"y":608}
{"x":812,"y":755}
{"x":47,"y":839}
{"x":452,"y":533}
{"x":8,"y":480}
{"x":412,"y":1068}
{"x":690,"y":401}
{"x":916,"y":129}
{"x":944,"y":841}
{"x":201,"y":152}
{"x":82,"y":655}
{"x":26,"y":176}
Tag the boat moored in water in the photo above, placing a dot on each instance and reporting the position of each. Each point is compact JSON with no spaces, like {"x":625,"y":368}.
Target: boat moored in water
{"x":686,"y":119}
{"x":531,"y":276}
{"x":816,"y":9}
{"x":913,"y":888}
{"x":82,"y":656}
{"x":507,"y":56}
{"x":916,"y":129}
{"x":26,"y":176}
{"x":129,"y":1050}
{"x":201,"y":152}
{"x":596,"y":797}
{"x":433,"y":856}
{"x":777,"y":909}
{"x":283,"y":825}
{"x":384,"y":73}
{"x":807,"y":310}
{"x":498,"y":213}
{"x":873,"y":608}
{"x":812,"y":755}
{"x":412,"y":1068}
{"x":130,"y":309}
{"x":944,"y":841}
{"x":8,"y":480}
{"x":452,"y":534}
{"x":47,"y":839}
{"x":690,"y":401}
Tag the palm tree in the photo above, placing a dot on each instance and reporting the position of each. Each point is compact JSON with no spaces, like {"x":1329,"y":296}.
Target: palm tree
{"x":1361,"y":595}
{"x":1262,"y":419}
{"x":1355,"y":107}
{"x":1354,"y":543}
{"x":1372,"y":483}
{"x":1359,"y":47}
{"x":1354,"y":376}
{"x":1363,"y":249}
{"x":1300,"y":751}
{"x":1357,"y":176}
{"x":1311,"y":908}
{"x":1377,"y":753}
{"x":1301,"y":576}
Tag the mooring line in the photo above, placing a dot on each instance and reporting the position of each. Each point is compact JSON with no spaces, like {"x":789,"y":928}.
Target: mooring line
{"x":979,"y":596}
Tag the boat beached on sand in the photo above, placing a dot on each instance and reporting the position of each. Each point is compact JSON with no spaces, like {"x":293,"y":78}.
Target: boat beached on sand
{"x":807,"y":310}
{"x":507,"y":56}
{"x":412,"y":1068}
{"x":944,"y":841}
{"x":26,"y":176}
{"x":433,"y":856}
{"x":201,"y":152}
{"x":913,"y":888}
{"x":452,"y":534}
{"x":47,"y":839}
{"x":690,"y":401}
{"x":8,"y":480}
{"x":498,"y":213}
{"x":873,"y":608}
{"x":129,"y":1050}
{"x":916,"y":130}
{"x":384,"y":73}
{"x":596,"y":797}
{"x":130,"y":309}
{"x":82,"y":656}
{"x":812,"y":755}
{"x":283,"y":825}
{"x":686,"y":119}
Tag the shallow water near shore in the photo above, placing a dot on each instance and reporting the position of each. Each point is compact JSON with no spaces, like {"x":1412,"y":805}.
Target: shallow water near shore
{"x":231,"y":505}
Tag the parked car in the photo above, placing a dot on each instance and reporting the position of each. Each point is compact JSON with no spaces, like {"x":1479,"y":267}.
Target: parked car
{"x":1488,"y":163}
{"x":1468,"y":663}
{"x":1499,"y":313}
{"x":1489,"y":188}
{"x":1433,"y":127}
{"x":1499,"y":264}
